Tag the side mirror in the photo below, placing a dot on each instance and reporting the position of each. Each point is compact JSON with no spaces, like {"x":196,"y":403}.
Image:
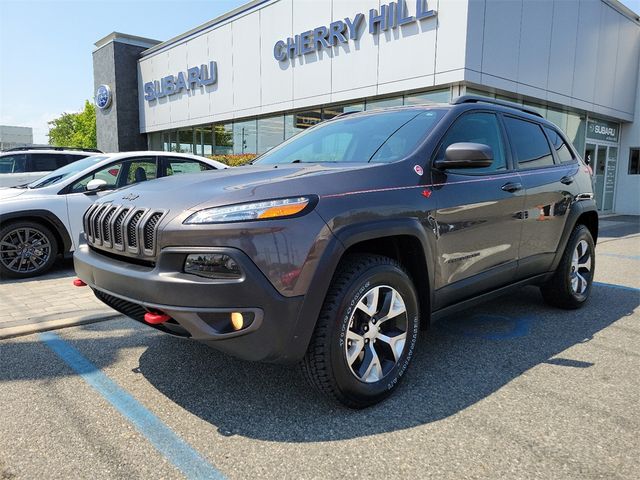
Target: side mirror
{"x":466,"y":155}
{"x":96,"y":185}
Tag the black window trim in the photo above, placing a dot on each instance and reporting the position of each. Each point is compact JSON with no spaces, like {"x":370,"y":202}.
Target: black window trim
{"x":505,"y":145}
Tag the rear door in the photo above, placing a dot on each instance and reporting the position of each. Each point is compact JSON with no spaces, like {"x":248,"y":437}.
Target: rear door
{"x":478,"y":214}
{"x":548,"y":174}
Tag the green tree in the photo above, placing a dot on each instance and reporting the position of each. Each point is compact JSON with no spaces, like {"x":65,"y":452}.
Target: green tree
{"x":74,"y":129}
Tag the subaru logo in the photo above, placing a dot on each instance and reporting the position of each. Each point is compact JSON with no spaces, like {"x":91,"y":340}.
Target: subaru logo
{"x":131,"y":197}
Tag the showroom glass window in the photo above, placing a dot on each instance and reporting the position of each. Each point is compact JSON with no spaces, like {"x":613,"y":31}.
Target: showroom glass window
{"x":223,"y":138}
{"x":436,"y":96}
{"x":634,"y":161}
{"x":245,"y":137}
{"x":529,"y":143}
{"x":270,"y":132}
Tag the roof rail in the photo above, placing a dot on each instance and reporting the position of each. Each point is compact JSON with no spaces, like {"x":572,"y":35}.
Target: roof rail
{"x":503,"y":103}
{"x":22,"y":149}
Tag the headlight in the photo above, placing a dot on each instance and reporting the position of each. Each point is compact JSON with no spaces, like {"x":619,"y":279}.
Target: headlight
{"x":283,"y":207}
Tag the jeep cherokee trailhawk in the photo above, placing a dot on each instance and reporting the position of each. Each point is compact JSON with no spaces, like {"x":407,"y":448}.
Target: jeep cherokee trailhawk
{"x":335,"y":247}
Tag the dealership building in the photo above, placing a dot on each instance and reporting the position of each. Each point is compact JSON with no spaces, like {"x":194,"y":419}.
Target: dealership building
{"x":247,"y":80}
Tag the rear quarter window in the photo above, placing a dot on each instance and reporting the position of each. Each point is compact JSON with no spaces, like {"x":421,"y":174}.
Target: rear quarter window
{"x":562,"y":149}
{"x":13,"y":163}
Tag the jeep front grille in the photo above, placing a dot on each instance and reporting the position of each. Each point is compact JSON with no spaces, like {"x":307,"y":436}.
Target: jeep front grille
{"x":132,"y":231}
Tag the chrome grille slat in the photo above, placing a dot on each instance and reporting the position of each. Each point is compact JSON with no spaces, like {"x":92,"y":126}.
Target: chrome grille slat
{"x":104,"y":225}
{"x":118,"y":235}
{"x":123,"y":229}
{"x":149,"y":230}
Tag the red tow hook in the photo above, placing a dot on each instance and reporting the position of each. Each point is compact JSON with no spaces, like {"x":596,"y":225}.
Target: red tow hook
{"x":155,"y":318}
{"x":79,"y":283}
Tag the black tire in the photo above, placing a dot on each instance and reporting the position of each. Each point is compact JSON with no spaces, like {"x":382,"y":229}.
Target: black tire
{"x":42,"y":250}
{"x":559,"y":291}
{"x":325,"y":364}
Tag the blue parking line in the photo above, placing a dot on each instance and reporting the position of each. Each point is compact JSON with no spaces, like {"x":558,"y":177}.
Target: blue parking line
{"x":619,"y":287}
{"x":170,"y":445}
{"x":619,"y":255}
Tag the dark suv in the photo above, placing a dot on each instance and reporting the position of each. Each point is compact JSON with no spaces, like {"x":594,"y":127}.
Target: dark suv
{"x":335,"y":247}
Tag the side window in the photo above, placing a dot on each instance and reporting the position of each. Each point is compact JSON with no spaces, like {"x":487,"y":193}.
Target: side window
{"x":46,"y":162}
{"x":176,"y":166}
{"x":140,"y":169}
{"x":480,"y":127}
{"x":109,"y":174}
{"x":529,"y":143}
{"x":13,"y":163}
{"x":562,"y":150}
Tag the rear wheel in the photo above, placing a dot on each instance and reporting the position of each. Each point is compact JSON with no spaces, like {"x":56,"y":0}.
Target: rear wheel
{"x":571,"y":283}
{"x":366,"y":333}
{"x":27,"y":249}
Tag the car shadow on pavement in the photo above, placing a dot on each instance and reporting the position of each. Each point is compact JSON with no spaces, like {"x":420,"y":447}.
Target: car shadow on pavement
{"x":63,"y":267}
{"x":459,"y":362}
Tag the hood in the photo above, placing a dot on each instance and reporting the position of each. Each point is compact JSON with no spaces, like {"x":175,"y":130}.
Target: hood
{"x":242,"y":184}
{"x":10,"y":193}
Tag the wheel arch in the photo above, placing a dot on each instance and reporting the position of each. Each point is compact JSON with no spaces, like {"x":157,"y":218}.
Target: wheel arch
{"x":585,"y":213}
{"x":46,"y":218}
{"x":405,"y":240}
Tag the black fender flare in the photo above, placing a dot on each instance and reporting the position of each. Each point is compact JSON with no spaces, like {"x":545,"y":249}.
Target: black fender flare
{"x":50,"y":219}
{"x":329,"y":260}
{"x":578,"y":208}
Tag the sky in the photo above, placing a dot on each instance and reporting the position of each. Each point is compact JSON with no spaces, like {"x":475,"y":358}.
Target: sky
{"x":45,"y":48}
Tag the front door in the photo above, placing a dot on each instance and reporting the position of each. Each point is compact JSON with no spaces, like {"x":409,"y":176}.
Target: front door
{"x":479,"y":215}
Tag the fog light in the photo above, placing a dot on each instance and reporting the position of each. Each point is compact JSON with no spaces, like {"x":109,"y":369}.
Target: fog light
{"x":237,"y":320}
{"x":212,"y":265}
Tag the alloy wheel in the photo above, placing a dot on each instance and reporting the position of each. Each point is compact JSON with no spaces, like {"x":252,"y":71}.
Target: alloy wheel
{"x":581,"y":268}
{"x":24,"y":250}
{"x":377,"y":334}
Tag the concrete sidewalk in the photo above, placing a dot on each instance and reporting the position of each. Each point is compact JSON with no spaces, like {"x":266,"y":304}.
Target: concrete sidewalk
{"x":47,"y":302}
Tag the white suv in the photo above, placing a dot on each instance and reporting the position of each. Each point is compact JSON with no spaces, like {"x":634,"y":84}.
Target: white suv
{"x":40,"y":220}
{"x":25,"y":164}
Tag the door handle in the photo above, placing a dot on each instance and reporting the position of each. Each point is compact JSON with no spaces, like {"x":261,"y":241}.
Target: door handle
{"x":568,"y":180}
{"x":512,"y":187}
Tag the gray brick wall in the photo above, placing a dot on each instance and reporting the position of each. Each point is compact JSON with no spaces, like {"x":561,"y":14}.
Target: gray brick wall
{"x":118,"y":127}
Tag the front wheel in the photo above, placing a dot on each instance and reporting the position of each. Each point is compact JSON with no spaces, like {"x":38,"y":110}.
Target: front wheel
{"x":571,"y":283}
{"x":366,"y":333}
{"x":27,"y":249}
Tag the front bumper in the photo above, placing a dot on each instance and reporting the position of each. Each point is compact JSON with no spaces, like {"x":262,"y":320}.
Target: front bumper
{"x":193,"y":303}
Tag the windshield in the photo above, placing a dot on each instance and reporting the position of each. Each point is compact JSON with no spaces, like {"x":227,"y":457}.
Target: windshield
{"x":67,"y":171}
{"x":383,"y":137}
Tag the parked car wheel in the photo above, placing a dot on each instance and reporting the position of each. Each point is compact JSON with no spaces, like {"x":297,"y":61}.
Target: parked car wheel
{"x":27,"y":249}
{"x":366,"y":333}
{"x":570,"y":285}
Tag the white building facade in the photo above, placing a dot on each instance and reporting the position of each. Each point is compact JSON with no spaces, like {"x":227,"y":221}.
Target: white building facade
{"x":246,"y":81}
{"x":12,"y":137}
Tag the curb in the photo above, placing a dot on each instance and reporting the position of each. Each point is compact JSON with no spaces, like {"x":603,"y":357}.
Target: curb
{"x":36,"y":327}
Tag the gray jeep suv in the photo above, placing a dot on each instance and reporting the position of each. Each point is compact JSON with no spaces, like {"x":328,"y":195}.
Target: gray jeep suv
{"x":334,"y":249}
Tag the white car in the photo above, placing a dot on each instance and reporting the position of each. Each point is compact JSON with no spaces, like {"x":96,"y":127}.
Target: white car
{"x":40,"y":220}
{"x":27,"y":164}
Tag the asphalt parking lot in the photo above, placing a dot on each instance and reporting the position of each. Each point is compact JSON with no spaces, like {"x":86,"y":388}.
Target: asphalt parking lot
{"x":513,"y":389}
